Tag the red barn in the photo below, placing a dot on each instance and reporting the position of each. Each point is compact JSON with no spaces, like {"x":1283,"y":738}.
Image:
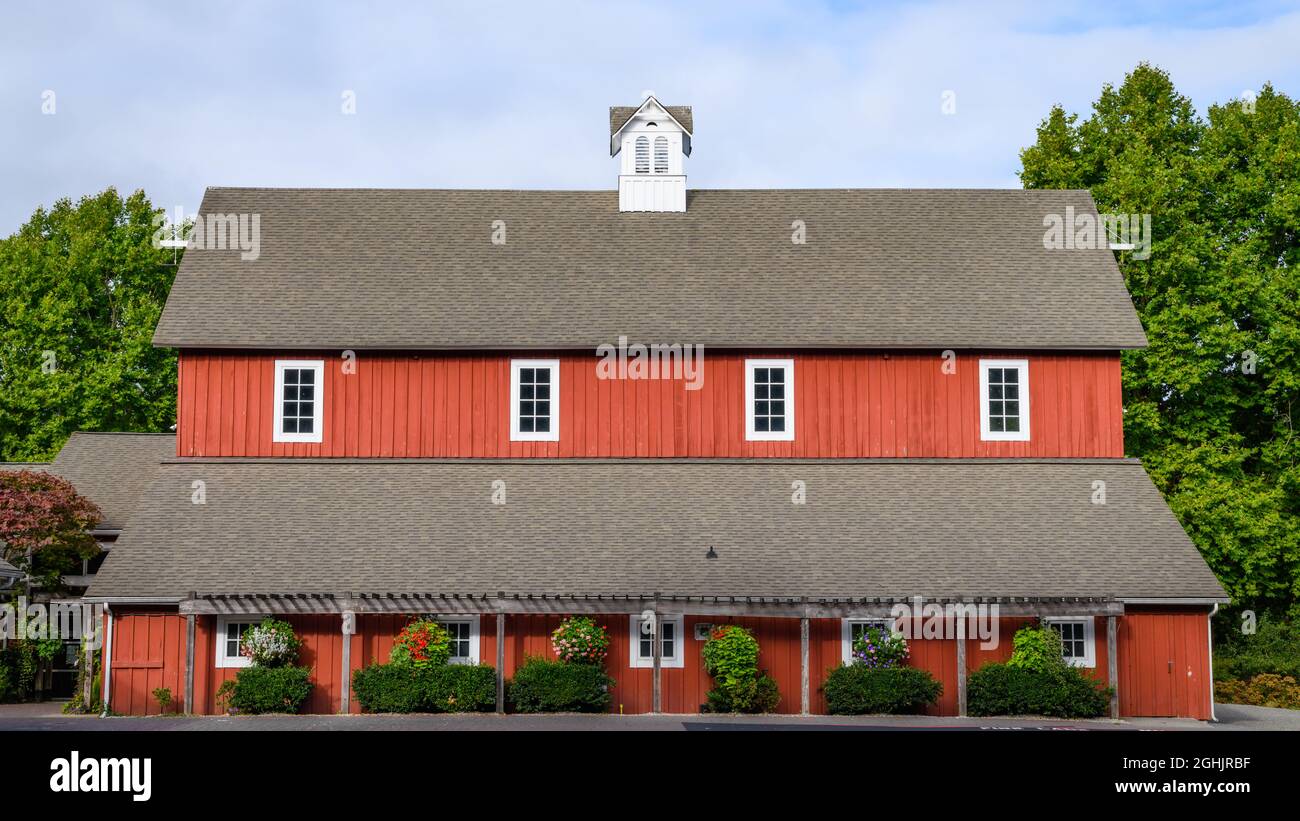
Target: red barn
{"x":797,"y":410}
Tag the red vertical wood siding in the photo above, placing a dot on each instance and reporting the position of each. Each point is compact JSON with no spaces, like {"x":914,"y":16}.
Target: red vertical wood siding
{"x":847,"y":404}
{"x":1164,"y":665}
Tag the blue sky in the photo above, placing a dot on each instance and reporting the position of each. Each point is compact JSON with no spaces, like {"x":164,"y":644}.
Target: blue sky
{"x":173,"y":97}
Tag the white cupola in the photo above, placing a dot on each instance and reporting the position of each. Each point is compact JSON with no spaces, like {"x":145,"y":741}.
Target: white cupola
{"x":652,"y":138}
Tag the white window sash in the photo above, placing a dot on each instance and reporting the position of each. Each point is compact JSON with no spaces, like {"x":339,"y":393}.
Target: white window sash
{"x":846,"y":634}
{"x":1022,"y":435}
{"x":223,"y":624}
{"x":318,"y":403}
{"x":474,"y":635}
{"x":1089,"y":658}
{"x":552,"y":435}
{"x":678,"y":659}
{"x":786,"y":435}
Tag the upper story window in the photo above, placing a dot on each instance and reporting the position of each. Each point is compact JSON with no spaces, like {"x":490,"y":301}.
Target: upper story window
{"x":1078,"y":639}
{"x":298,"y":400}
{"x":230,"y":641}
{"x":642,"y":155}
{"x":661,"y":155}
{"x":1004,"y":400}
{"x":534,"y":400}
{"x":671,"y":653}
{"x":769,"y":400}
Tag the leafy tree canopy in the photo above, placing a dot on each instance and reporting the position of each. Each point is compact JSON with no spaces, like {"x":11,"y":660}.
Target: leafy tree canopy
{"x":81,"y":289}
{"x":43,"y":516}
{"x":1209,"y":406}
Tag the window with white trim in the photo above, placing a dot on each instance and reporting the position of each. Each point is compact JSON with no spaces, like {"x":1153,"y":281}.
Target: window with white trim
{"x":671,"y":640}
{"x":769,"y":400}
{"x":534,"y":400}
{"x":464,"y":635}
{"x":661,"y":155}
{"x":1078,"y":639}
{"x":1004,"y":400}
{"x":853,"y":629}
{"x":299,"y":402}
{"x":642,"y":155}
{"x":230,"y":638}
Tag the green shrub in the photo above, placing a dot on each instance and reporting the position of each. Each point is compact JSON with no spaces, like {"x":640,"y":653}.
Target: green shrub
{"x":1264,"y":690}
{"x":451,"y":688}
{"x":267,"y":690}
{"x":856,"y":689}
{"x":1274,"y":648}
{"x":878,"y":647}
{"x":1037,"y":648}
{"x":731,"y":657}
{"x":1063,"y":692}
{"x":545,"y":686}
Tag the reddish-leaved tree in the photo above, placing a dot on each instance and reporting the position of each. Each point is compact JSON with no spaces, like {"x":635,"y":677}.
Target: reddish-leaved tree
{"x":44,"y":516}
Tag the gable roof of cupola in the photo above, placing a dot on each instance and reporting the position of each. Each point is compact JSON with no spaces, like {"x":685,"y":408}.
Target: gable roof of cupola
{"x":621,"y":115}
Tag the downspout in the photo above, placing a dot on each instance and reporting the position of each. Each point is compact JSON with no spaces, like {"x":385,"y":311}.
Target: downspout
{"x":1209,"y":638}
{"x":107,"y":666}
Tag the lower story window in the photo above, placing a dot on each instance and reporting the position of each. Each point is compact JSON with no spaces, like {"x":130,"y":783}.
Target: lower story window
{"x":1078,"y":644}
{"x":670,"y":639}
{"x":464,"y":635}
{"x":230,"y":642}
{"x":853,"y":629}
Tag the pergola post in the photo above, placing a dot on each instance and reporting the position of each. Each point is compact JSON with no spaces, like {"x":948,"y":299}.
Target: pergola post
{"x":961,"y":665}
{"x":805,"y":702}
{"x":88,"y":663}
{"x":501,"y":662}
{"x":189,"y":664}
{"x":1112,"y":664}
{"x":657,"y":650}
{"x":349,"y":628}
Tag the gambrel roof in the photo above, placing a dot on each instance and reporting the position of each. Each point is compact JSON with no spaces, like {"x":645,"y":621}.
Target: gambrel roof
{"x":417,"y":269}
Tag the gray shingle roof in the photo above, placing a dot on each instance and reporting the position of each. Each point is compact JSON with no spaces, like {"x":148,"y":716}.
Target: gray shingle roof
{"x":410,"y":269}
{"x":631,"y":527}
{"x":113,"y":469}
{"x":620,"y":114}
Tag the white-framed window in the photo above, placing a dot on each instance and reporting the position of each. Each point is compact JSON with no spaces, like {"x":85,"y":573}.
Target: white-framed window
{"x":299,"y":400}
{"x":230,"y":638}
{"x":1078,"y":639}
{"x":661,"y":155}
{"x":1004,"y":400}
{"x":534,"y":400}
{"x":769,"y":400}
{"x":642,"y":155}
{"x":464,"y":633}
{"x":671,"y":639}
{"x":852,"y":629}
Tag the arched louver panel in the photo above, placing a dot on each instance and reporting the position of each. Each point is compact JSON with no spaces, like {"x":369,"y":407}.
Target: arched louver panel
{"x":661,"y":155}
{"x":642,"y":155}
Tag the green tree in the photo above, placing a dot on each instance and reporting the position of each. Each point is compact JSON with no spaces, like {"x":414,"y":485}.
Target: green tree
{"x":1218,"y":299}
{"x":81,"y":289}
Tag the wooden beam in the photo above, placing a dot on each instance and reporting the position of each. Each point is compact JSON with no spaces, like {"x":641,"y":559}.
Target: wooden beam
{"x":657,"y":649}
{"x":961,"y":667}
{"x":501,"y":662}
{"x":88,"y":659}
{"x":189,"y":664}
{"x":348,"y":627}
{"x":562,"y":605}
{"x":805,"y":702}
{"x":1112,"y":664}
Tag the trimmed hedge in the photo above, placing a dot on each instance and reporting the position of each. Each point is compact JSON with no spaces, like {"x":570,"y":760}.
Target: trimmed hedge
{"x":402,"y":688}
{"x":1067,"y":692}
{"x":267,"y":690}
{"x":545,"y":686}
{"x":856,"y":689}
{"x":756,"y":695}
